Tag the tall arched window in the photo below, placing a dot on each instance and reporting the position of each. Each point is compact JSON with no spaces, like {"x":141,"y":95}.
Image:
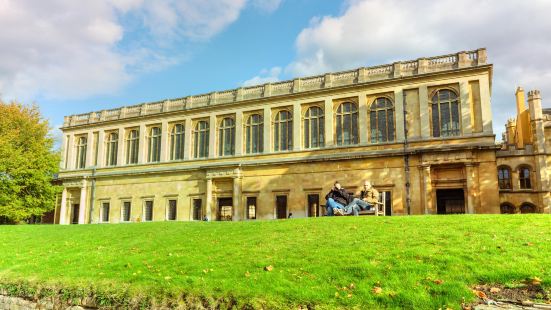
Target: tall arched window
{"x":254,"y":134}
{"x":154,"y":145}
{"x":507,"y":208}
{"x":81,"y":152}
{"x":527,"y":208}
{"x":314,"y":126}
{"x":177,"y":136}
{"x":347,"y":124}
{"x":132,"y":145}
{"x":504,"y":177}
{"x":524,"y":177}
{"x":283,"y":131}
{"x":381,"y":119}
{"x":201,"y":140}
{"x":112,"y":149}
{"x":445,"y":114}
{"x":226,"y":137}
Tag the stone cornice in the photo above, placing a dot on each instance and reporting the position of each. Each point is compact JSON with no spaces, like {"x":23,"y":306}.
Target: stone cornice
{"x":421,"y":66}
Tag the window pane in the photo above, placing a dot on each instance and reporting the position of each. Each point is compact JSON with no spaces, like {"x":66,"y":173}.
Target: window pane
{"x":435,"y":121}
{"x":390,"y":124}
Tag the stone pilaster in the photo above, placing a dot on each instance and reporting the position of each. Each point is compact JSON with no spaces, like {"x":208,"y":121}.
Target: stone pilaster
{"x":121,"y":145}
{"x":188,"y":145}
{"x":164,"y":141}
{"x":238,"y":211}
{"x":89,"y":149}
{"x":362,"y":119}
{"x":101,"y":149}
{"x":472,"y":191}
{"x":465,"y":107}
{"x":83,"y":205}
{"x":63,"y":208}
{"x":239,"y":133}
{"x":209,"y":200}
{"x":212,"y":136}
{"x":424,"y":109}
{"x":399,"y":114}
{"x":267,"y":130}
{"x":142,"y":149}
{"x":297,"y":119}
{"x":428,"y":207}
{"x":329,"y":121}
{"x":485,"y":105}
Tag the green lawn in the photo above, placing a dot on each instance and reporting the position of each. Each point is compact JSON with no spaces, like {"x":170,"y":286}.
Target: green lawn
{"x":417,"y":261}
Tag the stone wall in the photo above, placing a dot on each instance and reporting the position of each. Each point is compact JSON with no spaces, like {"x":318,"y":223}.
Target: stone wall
{"x":18,"y":303}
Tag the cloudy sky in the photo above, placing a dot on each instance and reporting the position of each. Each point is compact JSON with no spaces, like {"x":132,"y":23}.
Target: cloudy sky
{"x":73,"y":57}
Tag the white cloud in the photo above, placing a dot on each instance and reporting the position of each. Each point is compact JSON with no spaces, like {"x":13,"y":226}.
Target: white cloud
{"x":265,"y":76}
{"x":66,"y":49}
{"x":267,"y":5}
{"x":371,"y":32}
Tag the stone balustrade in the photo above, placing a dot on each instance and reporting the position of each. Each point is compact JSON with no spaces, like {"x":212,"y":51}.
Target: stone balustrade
{"x":361,"y":75}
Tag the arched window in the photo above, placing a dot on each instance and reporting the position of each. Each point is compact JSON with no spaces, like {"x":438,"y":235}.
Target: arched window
{"x":504,"y":177}
{"x":254,"y":134}
{"x":154,"y":145}
{"x":201,"y":140}
{"x":527,"y":208}
{"x":177,"y":136}
{"x":347,"y":124}
{"x":445,"y":114}
{"x":314,"y":127}
{"x":524,"y":177}
{"x":226,"y":137}
{"x":283,"y":131}
{"x":132,"y":145}
{"x":381,"y":119}
{"x":507,"y":208}
{"x":81,"y":152}
{"x":112,"y":149}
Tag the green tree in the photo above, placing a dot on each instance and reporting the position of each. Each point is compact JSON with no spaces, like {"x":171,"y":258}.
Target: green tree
{"x":27,"y":163}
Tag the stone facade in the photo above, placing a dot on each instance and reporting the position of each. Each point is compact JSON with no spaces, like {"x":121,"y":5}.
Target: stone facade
{"x":420,"y":131}
{"x":524,"y":160}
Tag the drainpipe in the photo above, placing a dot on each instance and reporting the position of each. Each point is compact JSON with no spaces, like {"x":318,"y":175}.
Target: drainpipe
{"x":93,"y":196}
{"x":406,"y":156}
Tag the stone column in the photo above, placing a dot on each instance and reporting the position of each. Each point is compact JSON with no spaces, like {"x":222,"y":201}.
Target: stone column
{"x":297,"y":119}
{"x":267,"y":130}
{"x":362,"y":119}
{"x":209,"y":199}
{"x":237,"y":194}
{"x":188,"y":145}
{"x":212,"y":136}
{"x":82,"y":205}
{"x":101,"y":149}
{"x":89,"y":149}
{"x":239,"y":133}
{"x":63,"y":208}
{"x":485,"y":105}
{"x":399,"y":114}
{"x":121,"y":145}
{"x":465,"y":107}
{"x":427,"y":193}
{"x":424,"y":112}
{"x":471,"y":187}
{"x":142,"y":149}
{"x":164,"y":141}
{"x":329,"y":121}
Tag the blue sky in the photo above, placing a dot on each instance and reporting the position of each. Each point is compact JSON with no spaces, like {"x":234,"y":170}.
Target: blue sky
{"x":73,"y":57}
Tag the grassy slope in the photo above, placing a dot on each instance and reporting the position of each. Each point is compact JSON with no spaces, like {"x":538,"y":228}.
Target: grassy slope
{"x":312,"y":258}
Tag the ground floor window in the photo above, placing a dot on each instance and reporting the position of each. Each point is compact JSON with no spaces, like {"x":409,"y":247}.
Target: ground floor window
{"x":507,"y":208}
{"x":125,"y":211}
{"x":105,"y":212}
{"x":527,"y":208}
{"x":225,"y":206}
{"x":251,"y":208}
{"x":313,"y":205}
{"x":450,"y":201}
{"x":281,"y":206}
{"x":148,"y":211}
{"x":171,"y":212}
{"x":197,"y":209}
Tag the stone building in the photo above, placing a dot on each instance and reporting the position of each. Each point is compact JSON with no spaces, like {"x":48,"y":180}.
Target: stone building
{"x":420,"y":131}
{"x":524,"y":161}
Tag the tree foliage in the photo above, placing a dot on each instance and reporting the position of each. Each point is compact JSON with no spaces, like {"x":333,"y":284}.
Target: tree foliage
{"x":27,"y":163}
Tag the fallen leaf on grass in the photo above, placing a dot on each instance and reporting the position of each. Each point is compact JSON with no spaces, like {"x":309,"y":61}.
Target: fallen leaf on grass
{"x":377,"y":290}
{"x":438,"y":281}
{"x":528,"y":244}
{"x":247,"y":274}
{"x":268,"y":268}
{"x":480,"y":294}
{"x":536,"y":281}
{"x":349,"y":295}
{"x":495,"y":290}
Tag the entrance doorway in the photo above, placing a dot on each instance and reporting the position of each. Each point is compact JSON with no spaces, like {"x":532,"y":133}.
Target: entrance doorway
{"x":450,"y":201}
{"x":281,"y":207}
{"x":225,"y":209}
{"x":74,"y":213}
{"x":313,"y":205}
